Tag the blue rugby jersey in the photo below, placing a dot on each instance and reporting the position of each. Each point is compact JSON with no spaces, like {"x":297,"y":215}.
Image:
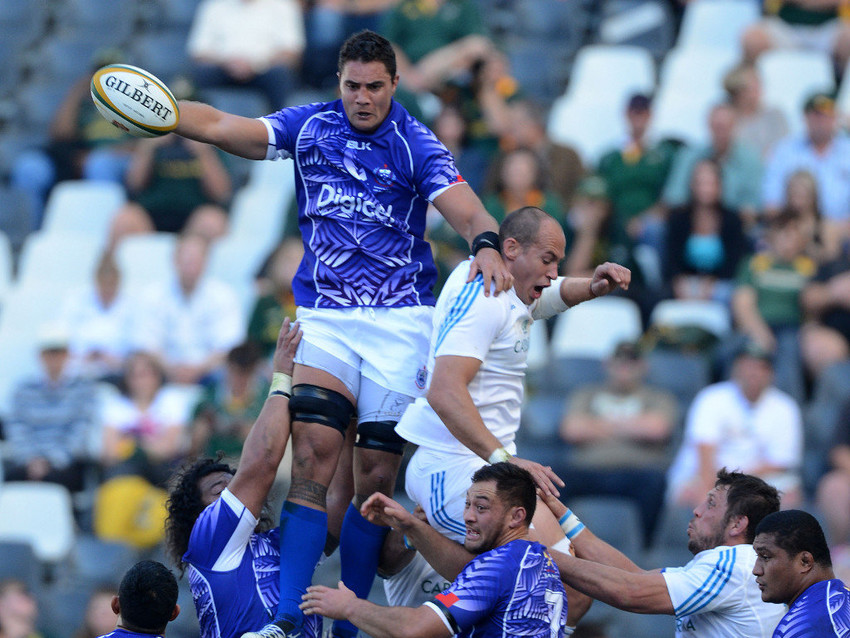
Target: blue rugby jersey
{"x":233,"y":572}
{"x":823,"y":610}
{"x":362,"y":200}
{"x":123,"y":633}
{"x":512,"y":590}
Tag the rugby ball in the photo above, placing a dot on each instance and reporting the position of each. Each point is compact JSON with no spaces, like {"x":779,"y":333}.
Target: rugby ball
{"x":134,"y":100}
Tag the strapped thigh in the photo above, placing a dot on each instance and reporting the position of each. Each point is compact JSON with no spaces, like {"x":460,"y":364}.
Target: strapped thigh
{"x":381,"y":436}
{"x":314,"y":404}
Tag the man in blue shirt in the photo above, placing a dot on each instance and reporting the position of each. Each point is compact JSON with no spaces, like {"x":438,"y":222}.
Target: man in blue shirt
{"x":510,"y":588}
{"x":365,"y":174}
{"x":146,"y":601}
{"x":793,"y":566}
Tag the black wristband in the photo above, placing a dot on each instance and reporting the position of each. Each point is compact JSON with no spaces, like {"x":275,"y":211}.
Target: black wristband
{"x":487,"y":239}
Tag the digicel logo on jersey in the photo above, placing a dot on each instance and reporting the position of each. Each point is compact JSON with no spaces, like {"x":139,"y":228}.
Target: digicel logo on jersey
{"x":335,"y":197}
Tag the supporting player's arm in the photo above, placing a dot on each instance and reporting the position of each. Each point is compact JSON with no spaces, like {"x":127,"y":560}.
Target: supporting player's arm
{"x":374,"y":620}
{"x":640,"y":592}
{"x":446,"y":556}
{"x":266,"y":442}
{"x":243,"y":136}
{"x":467,"y":215}
{"x":449,"y":396}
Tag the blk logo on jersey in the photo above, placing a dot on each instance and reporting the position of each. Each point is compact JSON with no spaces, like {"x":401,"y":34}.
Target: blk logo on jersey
{"x":359,"y":146}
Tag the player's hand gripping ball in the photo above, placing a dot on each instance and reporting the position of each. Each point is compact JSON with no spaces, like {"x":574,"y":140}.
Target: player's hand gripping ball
{"x":134,"y":100}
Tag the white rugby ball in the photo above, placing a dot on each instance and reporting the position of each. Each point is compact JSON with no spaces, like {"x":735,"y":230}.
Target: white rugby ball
{"x":134,"y":100}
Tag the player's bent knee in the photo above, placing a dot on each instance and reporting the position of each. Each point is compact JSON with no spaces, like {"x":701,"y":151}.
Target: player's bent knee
{"x":381,"y":436}
{"x":314,"y":404}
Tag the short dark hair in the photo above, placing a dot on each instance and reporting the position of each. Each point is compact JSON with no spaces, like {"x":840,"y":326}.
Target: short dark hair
{"x":185,"y":505}
{"x":147,"y":595}
{"x":244,"y":356}
{"x":514,"y":485}
{"x":367,"y":46}
{"x":749,"y":496}
{"x":796,"y":531}
{"x":523,"y":225}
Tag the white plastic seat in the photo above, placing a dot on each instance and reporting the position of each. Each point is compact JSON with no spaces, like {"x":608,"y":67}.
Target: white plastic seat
{"x":790,"y":76}
{"x":611,"y":72}
{"x":716,"y":24}
{"x":591,"y":126}
{"x":144,"y":259}
{"x":40,"y":513}
{"x":59,"y":259}
{"x":20,"y":361}
{"x":258,"y":213}
{"x":28,"y":308}
{"x":83,"y":206}
{"x":712,"y":316}
{"x":697,"y":70}
{"x":5,"y":266}
{"x":682,"y":116}
{"x":235,"y":261}
{"x":593,"y":329}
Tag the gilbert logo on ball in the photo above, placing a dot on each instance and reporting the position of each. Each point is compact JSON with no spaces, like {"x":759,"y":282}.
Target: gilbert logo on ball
{"x":134,"y":100}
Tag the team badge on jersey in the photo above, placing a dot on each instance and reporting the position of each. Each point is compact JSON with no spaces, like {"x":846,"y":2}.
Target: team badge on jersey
{"x":421,"y":377}
{"x":384,"y":177}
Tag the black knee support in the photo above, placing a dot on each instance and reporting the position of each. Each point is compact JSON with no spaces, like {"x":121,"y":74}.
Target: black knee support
{"x":379,"y":435}
{"x":313,"y":404}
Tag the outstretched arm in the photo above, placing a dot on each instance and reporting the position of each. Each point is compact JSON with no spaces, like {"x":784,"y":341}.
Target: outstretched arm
{"x":467,"y":215}
{"x":641,"y":592}
{"x":372,"y":619}
{"x":446,"y":556}
{"x":242,"y":136}
{"x":266,"y":442}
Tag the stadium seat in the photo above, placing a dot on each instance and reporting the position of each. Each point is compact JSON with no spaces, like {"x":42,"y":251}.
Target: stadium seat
{"x":258,"y":213}
{"x":111,"y":21}
{"x":40,"y":513}
{"x":39,"y":100}
{"x":62,"y":606}
{"x":23,"y":21}
{"x":163,"y":53}
{"x":95,"y":560}
{"x":681,"y":373}
{"x":611,"y":72}
{"x":615,"y":520}
{"x":83,"y":206}
{"x":144,"y":259}
{"x":712,"y":316}
{"x":790,"y":76}
{"x":6,"y":267}
{"x":20,"y":361}
{"x":235,"y":260}
{"x":591,"y":126}
{"x":716,"y":24}
{"x":569,"y":372}
{"x":594,"y":328}
{"x":17,"y":560}
{"x":58,"y":260}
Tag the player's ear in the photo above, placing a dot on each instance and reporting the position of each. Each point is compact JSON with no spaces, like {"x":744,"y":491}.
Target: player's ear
{"x":175,"y":612}
{"x":517,"y":516}
{"x":116,"y":606}
{"x":806,"y":561}
{"x":510,"y":248}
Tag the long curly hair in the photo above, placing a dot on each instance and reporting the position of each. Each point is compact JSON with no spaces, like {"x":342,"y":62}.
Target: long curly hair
{"x":185,"y":505}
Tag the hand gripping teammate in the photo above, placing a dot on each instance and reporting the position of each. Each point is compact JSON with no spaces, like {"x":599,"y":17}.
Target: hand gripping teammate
{"x":365,"y":173}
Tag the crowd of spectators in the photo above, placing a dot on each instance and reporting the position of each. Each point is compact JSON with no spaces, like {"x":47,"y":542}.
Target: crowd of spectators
{"x":756,"y":220}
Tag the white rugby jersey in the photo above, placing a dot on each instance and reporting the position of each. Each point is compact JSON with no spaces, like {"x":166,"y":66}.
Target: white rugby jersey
{"x":494,"y":330}
{"x":716,"y":596}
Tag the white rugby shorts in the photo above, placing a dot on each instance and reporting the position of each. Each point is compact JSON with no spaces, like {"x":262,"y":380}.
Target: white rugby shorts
{"x":415,"y":584}
{"x":380,"y":354}
{"x":438,"y":481}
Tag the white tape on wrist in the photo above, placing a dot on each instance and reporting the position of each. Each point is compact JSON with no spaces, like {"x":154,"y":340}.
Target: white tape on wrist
{"x":499,"y":455}
{"x":281,"y":385}
{"x":571,"y":524}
